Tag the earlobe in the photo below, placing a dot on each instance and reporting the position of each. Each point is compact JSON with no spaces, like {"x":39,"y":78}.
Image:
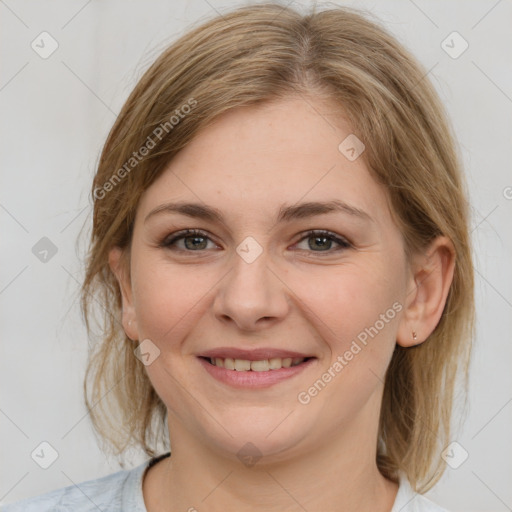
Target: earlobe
{"x":431,"y":278}
{"x":119,"y":267}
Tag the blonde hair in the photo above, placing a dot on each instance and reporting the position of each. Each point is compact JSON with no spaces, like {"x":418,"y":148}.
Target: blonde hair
{"x":258,"y":54}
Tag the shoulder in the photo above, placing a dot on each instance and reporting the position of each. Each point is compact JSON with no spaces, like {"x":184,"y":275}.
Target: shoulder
{"x":112,"y":492}
{"x":409,"y":501}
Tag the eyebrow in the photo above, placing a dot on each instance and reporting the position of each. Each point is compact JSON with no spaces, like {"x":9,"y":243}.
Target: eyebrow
{"x":286,"y":213}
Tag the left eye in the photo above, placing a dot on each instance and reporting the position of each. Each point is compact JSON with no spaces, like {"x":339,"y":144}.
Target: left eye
{"x":195,"y":241}
{"x":323,"y":241}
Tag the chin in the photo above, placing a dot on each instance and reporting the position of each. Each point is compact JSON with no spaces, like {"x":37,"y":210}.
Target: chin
{"x":269,"y":437}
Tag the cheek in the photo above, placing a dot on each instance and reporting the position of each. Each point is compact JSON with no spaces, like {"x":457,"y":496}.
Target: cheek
{"x":168,"y":298}
{"x":345,"y":302}
{"x":357,"y":317}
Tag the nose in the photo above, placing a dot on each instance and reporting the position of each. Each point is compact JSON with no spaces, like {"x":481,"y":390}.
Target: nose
{"x":252,"y":296}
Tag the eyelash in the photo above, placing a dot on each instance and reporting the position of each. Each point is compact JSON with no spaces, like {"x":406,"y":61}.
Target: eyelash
{"x":170,"y":240}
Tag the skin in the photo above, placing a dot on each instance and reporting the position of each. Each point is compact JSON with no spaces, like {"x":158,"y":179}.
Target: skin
{"x":296,"y":296}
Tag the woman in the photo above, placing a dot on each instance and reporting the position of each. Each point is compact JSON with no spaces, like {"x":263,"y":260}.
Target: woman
{"x":280,"y":246}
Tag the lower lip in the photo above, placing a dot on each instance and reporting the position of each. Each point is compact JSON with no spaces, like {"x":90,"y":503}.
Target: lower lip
{"x":252,"y":379}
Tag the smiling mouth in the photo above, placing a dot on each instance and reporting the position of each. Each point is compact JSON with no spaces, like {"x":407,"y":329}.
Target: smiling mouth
{"x":263,"y":365}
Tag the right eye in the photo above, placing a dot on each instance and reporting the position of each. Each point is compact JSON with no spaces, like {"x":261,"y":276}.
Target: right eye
{"x":187,"y":240}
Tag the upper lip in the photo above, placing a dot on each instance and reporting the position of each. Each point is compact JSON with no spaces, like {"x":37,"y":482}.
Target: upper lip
{"x":257,"y":354}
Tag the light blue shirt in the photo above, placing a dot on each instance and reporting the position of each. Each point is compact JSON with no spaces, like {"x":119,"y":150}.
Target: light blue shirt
{"x":117,"y":492}
{"x":122,"y":492}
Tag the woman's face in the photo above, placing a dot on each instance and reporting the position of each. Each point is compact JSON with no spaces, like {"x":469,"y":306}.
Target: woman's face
{"x":254,"y":287}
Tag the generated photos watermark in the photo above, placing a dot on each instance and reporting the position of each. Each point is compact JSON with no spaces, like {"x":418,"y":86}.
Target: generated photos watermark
{"x":151,"y":141}
{"x":361,"y":340}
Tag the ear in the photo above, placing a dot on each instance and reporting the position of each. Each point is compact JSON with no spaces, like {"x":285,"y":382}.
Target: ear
{"x":120,"y":267}
{"x":429,"y":284}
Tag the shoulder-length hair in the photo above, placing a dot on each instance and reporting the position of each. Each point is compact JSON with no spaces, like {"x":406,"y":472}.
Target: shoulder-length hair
{"x":258,"y":54}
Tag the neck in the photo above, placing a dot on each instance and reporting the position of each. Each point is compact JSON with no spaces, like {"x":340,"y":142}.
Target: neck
{"x":339,"y":475}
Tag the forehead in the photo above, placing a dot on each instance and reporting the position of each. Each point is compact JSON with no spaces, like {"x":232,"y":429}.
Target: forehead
{"x":252,"y":159}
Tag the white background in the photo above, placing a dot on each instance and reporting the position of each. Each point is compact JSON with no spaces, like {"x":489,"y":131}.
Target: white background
{"x":56,"y":113}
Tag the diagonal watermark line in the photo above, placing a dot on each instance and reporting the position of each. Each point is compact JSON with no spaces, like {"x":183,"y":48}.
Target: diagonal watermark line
{"x":485,"y":15}
{"x":217,"y":486}
{"x":213,"y":9}
{"x":424,"y":14}
{"x":14,"y":423}
{"x":407,"y":504}
{"x":73,"y":303}
{"x":485,"y":218}
{"x":494,"y":288}
{"x":287,"y":79}
{"x":14,"y":76}
{"x":13,"y":13}
{"x":320,"y":319}
{"x":178,"y":322}
{"x":414,"y":86}
{"x":284,"y":7}
{"x":93,"y":406}
{"x":377,"y":376}
{"x":81,"y":490}
{"x":424,"y":76}
{"x":413,"y":290}
{"x":303,"y":304}
{"x":480,"y":430}
{"x":308,"y":191}
{"x":13,"y":279}
{"x":313,"y":107}
{"x":280,"y":423}
{"x":93,"y":297}
{"x":474,"y":212}
{"x":73,"y":219}
{"x":79,"y":79}
{"x":508,"y":508}
{"x":75,"y":15}
{"x":492,"y":81}
{"x":418,"y":417}
{"x":14,"y":218}
{"x":286,"y":491}
{"x":198,"y":198}
{"x":11,"y":489}
{"x":198,"y":402}
{"x":197,"y":302}
{"x":70,"y":274}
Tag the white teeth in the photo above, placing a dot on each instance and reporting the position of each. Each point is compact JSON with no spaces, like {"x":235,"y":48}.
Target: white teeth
{"x":287,"y":362}
{"x":242,"y":365}
{"x":274,"y":363}
{"x":264,"y":365}
{"x":260,"y":366}
{"x":229,"y":363}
